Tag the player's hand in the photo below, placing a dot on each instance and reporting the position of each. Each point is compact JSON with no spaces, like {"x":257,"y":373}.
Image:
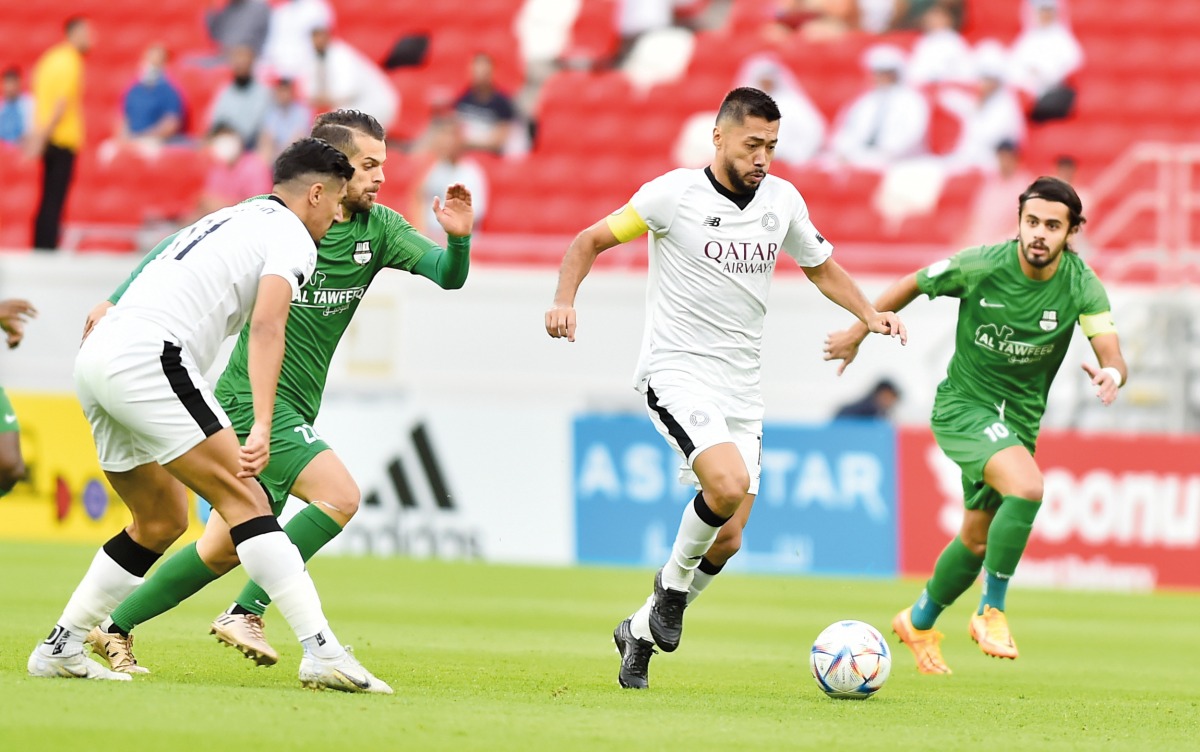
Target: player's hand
{"x":886,"y":322}
{"x":13,"y":315}
{"x":455,"y":216}
{"x":1106,"y":385}
{"x":255,"y":452}
{"x":94,"y":317}
{"x":842,"y":346}
{"x":560,"y":322}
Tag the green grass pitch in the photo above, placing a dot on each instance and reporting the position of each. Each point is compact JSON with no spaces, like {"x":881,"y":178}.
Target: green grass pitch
{"x":487,"y":657}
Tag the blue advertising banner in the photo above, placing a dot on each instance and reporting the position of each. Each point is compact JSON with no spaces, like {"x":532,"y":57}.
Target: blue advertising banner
{"x":826,"y":502}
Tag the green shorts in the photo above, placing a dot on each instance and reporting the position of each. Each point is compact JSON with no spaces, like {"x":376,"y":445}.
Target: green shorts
{"x":970,"y":433}
{"x":294,"y":444}
{"x":8,"y":416}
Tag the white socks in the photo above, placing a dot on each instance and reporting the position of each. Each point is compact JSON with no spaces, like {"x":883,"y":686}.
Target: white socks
{"x":98,"y":594}
{"x":695,"y":537}
{"x":274,"y":563}
{"x":699,"y":581}
{"x":639,"y":623}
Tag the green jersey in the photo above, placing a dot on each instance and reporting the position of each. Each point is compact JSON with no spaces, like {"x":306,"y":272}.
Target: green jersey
{"x":1013,"y":332}
{"x":348,"y":259}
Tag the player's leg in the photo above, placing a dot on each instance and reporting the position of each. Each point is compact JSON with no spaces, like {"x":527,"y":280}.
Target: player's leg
{"x":728,"y":543}
{"x":1016,"y":478}
{"x":210,"y":468}
{"x":12,"y":465}
{"x":966,"y":433}
{"x":158,"y":506}
{"x":333,"y":497}
{"x":181,"y":576}
{"x":747,"y":434}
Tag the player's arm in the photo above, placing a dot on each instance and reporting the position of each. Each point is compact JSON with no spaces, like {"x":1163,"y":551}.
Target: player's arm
{"x":448,"y":266}
{"x":844,"y":345}
{"x":834,"y":283}
{"x":264,"y":360}
{"x":1112,"y":372}
{"x":619,"y":227}
{"x":13,"y":315}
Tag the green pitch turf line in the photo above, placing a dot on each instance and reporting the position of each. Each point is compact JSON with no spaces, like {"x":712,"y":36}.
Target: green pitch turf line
{"x":496,"y":658}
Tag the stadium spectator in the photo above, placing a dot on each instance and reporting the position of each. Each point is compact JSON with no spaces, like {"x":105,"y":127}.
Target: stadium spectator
{"x":243,"y":103}
{"x":287,"y":120}
{"x":887,"y":123}
{"x":830,"y":20}
{"x":288,"y":50}
{"x":235,"y":173}
{"x":637,"y":17}
{"x":486,"y":112}
{"x":240,"y":23}
{"x":876,"y":16}
{"x":16,"y":108}
{"x":992,"y":219}
{"x":1043,"y":58}
{"x":909,"y":14}
{"x":444,"y":164}
{"x":341,"y":77}
{"x":58,"y":125}
{"x":801,"y":127}
{"x":990,"y":117}
{"x":875,"y":405}
{"x":152,"y":111}
{"x":941,"y":55}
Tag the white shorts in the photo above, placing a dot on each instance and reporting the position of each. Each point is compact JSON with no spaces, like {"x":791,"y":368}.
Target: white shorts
{"x":693,"y":417}
{"x":143,"y":395}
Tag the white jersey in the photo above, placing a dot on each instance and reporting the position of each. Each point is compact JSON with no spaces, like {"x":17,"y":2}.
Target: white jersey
{"x":201,"y":288}
{"x":711,"y":263}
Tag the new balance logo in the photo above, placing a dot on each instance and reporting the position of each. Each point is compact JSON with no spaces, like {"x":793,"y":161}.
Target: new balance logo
{"x":712,"y":222}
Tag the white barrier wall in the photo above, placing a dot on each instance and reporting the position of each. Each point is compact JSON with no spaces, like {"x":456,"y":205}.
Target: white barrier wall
{"x":487,"y":340}
{"x":453,"y":409}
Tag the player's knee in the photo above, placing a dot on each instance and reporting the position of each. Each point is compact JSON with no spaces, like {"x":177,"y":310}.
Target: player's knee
{"x":348,"y":500}
{"x":727,"y":492}
{"x":161,"y":530}
{"x":1031,"y":488}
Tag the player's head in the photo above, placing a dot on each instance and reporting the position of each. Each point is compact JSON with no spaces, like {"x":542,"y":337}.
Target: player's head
{"x":745,"y":135}
{"x":311,"y":177}
{"x":1050,"y":213}
{"x":79,"y":33}
{"x":360,"y":137}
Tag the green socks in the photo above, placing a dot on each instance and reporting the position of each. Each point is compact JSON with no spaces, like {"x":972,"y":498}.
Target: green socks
{"x":954,"y":573}
{"x":179,"y":577}
{"x":309,"y":530}
{"x":1007,"y":538}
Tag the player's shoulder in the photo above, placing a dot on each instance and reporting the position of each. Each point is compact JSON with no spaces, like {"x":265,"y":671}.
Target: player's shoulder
{"x":678,"y":180}
{"x":780,"y":189}
{"x":384,"y":216}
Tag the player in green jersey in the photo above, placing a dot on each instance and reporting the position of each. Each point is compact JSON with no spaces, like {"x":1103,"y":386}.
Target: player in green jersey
{"x":1019,"y":302}
{"x":13,"y":314}
{"x":373,"y":238}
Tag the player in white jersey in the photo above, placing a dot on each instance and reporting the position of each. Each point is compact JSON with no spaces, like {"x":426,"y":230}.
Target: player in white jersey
{"x":715,"y":236}
{"x":139,"y":375}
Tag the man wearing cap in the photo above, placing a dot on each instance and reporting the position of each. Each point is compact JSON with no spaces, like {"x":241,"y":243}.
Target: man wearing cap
{"x":887,"y":123}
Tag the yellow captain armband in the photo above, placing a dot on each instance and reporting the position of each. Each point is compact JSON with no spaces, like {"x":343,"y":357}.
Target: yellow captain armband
{"x":626,"y":224}
{"x":1097,"y":323}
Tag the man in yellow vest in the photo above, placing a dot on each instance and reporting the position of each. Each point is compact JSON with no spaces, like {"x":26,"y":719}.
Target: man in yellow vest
{"x":58,"y":124}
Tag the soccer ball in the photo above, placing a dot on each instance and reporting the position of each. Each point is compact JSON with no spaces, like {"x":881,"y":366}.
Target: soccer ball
{"x":850,"y":659}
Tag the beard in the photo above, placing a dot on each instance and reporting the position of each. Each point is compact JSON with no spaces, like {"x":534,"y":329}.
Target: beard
{"x":360,"y":203}
{"x":737,"y":181}
{"x":1040,"y":262}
